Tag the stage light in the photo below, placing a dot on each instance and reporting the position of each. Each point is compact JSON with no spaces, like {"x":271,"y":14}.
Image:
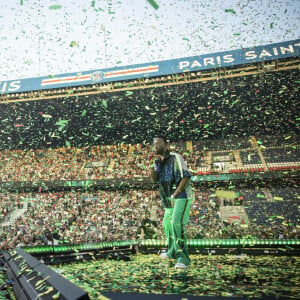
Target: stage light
{"x":151,"y":243}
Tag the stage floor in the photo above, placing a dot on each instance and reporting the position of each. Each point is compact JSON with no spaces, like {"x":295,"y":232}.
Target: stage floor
{"x":208,"y":275}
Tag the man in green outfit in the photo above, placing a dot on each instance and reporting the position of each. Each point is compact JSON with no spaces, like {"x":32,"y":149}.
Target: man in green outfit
{"x":171,"y":172}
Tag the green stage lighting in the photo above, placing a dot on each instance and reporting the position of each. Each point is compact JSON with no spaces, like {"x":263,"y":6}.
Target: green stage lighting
{"x":194,"y":243}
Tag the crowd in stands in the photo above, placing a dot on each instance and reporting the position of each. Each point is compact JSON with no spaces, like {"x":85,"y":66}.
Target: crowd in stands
{"x":270,"y":213}
{"x":74,"y":164}
{"x":222,"y":144}
{"x":277,"y":140}
{"x":118,"y":161}
{"x":212,"y":111}
{"x":286,"y":193}
{"x":281,"y":155}
{"x":76,"y":217}
{"x":6,"y":207}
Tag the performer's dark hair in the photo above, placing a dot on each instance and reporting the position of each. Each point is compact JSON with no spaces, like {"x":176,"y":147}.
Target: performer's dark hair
{"x":163,"y":137}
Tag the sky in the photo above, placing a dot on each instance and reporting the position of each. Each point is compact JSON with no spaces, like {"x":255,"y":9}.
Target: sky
{"x":51,"y":37}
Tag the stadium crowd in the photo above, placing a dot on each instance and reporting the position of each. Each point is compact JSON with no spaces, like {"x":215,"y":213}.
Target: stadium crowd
{"x":103,"y":162}
{"x":119,"y":161}
{"x":76,"y":217}
{"x":216,"y":115}
{"x":259,"y":104}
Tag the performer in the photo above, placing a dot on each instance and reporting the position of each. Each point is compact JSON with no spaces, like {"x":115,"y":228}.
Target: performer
{"x":170,"y":170}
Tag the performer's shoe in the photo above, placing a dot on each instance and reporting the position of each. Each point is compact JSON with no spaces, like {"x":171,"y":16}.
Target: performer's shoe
{"x":164,"y":255}
{"x":181,"y":266}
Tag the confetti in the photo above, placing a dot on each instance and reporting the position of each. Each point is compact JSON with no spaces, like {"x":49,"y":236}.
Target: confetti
{"x":73,"y":44}
{"x":148,"y":275}
{"x":153,"y":4}
{"x":57,"y":6}
{"x":230,"y":10}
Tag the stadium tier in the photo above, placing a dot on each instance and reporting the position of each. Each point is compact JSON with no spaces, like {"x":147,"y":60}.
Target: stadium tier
{"x":229,"y":108}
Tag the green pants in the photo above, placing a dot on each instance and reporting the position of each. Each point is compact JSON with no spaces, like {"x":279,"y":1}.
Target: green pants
{"x":174,"y":223}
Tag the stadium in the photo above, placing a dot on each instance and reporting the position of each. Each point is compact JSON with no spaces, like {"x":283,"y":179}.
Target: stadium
{"x":80,"y":217}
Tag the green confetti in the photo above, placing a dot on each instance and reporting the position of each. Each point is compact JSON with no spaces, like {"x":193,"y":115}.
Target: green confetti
{"x":62,"y":122}
{"x":55,"y":6}
{"x":153,"y":4}
{"x":230,"y":10}
{"x":73,"y":44}
{"x":122,"y":276}
{"x":104,"y":103}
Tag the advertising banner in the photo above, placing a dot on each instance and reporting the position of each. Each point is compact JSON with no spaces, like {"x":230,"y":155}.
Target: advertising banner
{"x":159,"y":68}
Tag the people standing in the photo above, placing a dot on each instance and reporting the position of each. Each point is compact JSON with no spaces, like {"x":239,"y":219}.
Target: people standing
{"x":173,"y":176}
